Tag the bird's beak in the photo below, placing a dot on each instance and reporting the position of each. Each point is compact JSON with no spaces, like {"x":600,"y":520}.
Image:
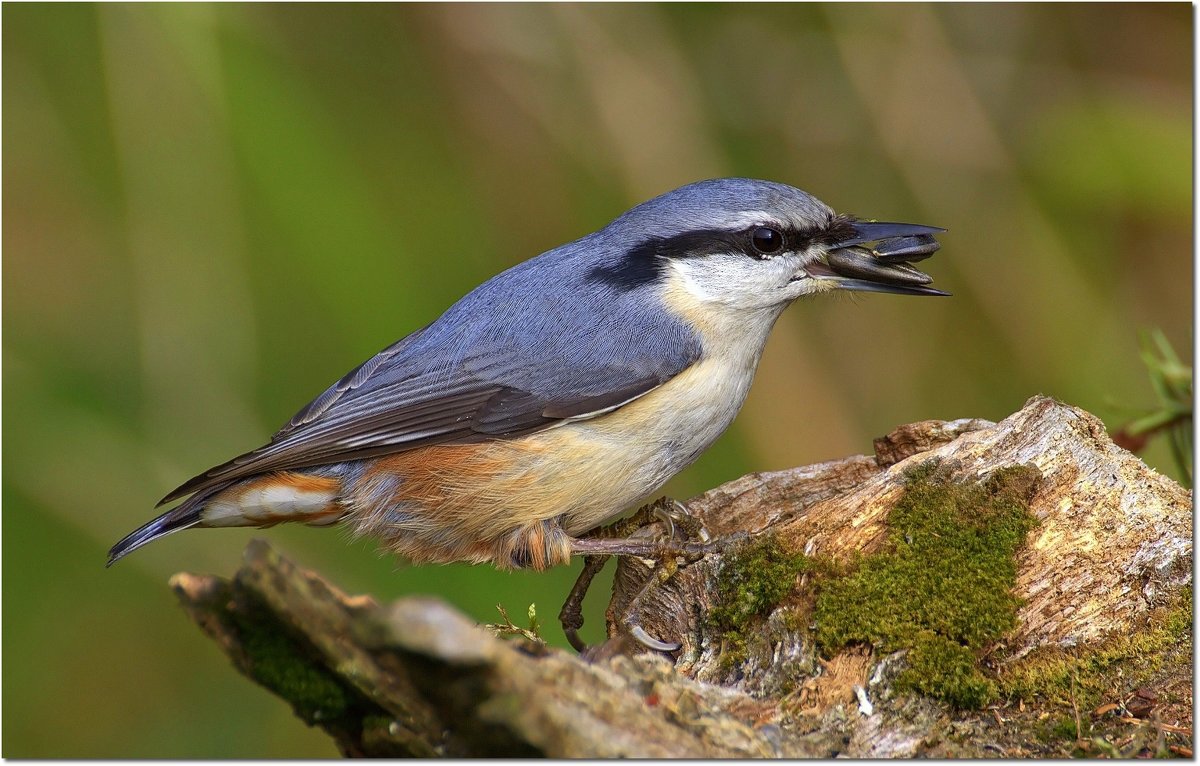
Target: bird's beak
{"x":877,"y":257}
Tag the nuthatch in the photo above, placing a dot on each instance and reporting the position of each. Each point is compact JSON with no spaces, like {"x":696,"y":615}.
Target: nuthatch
{"x":560,"y":392}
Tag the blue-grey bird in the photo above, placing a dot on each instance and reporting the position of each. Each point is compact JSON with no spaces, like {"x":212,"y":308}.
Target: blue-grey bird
{"x":562,"y":391}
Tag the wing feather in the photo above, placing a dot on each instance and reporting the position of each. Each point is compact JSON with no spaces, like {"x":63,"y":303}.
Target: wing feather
{"x":353,"y":420}
{"x":546,"y":341}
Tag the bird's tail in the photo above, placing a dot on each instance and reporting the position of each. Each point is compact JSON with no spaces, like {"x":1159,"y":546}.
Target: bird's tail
{"x":260,"y":501}
{"x":182,"y":516}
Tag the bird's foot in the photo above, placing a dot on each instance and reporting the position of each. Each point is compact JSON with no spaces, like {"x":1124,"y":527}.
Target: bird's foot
{"x":685,"y":534}
{"x":687,"y":541}
{"x":664,"y":569}
{"x":679,"y":519}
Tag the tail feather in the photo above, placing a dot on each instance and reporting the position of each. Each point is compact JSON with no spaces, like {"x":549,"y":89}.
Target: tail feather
{"x":260,"y":501}
{"x":183,"y":516}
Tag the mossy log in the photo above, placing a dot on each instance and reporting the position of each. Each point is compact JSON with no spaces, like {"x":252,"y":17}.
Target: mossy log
{"x":974,"y":589}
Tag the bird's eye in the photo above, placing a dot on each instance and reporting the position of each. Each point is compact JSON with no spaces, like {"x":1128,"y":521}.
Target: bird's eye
{"x":766,"y":240}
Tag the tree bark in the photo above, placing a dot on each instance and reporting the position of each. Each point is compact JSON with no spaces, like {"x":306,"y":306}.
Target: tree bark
{"x":1109,"y":559}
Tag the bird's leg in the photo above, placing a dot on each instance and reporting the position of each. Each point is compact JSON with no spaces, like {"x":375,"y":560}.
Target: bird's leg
{"x":596,"y":550}
{"x":617,"y":540}
{"x":664,"y":569}
{"x":662,"y":572}
{"x":645,"y":549}
{"x":571,"y":615}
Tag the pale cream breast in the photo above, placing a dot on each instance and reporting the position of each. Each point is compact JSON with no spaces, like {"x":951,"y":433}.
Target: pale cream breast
{"x":628,"y":454}
{"x":470,"y":501}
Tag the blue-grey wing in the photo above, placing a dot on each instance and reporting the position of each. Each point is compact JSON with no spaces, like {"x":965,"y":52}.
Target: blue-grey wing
{"x":461,"y":388}
{"x":552,"y":338}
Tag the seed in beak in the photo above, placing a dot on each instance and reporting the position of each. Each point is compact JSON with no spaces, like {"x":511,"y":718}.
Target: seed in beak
{"x":861,"y":263}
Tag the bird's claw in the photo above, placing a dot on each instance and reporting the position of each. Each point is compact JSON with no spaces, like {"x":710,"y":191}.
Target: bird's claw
{"x":676,"y":515}
{"x":649,"y":641}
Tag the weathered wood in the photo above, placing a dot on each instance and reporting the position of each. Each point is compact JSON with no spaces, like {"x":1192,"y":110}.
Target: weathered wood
{"x":1115,"y":536}
{"x":1111,"y":551}
{"x":425,"y":680}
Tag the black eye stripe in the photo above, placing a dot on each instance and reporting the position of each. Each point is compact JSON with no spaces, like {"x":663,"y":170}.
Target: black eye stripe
{"x":701,"y":242}
{"x":643,"y":263}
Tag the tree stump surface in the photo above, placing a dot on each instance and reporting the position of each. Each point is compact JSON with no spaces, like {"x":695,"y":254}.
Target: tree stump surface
{"x":1107,"y":565}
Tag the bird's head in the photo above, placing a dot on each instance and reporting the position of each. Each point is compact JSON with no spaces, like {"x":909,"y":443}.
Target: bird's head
{"x":739,"y":245}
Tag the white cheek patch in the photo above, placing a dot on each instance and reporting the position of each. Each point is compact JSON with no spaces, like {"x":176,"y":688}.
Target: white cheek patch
{"x":737,"y":282}
{"x":683,"y":282}
{"x":722,"y":279}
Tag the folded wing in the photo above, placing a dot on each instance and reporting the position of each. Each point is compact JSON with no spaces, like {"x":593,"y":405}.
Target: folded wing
{"x":415,"y":394}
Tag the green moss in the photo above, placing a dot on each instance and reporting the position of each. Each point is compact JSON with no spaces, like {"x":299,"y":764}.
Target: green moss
{"x":1061,"y":675}
{"x":795,"y":620}
{"x":943,"y":587}
{"x":1065,"y":728}
{"x":280,"y":664}
{"x":754,"y":579}
{"x":946,"y":670}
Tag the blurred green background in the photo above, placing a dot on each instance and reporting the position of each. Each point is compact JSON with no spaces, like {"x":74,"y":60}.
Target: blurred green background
{"x":211,"y":212}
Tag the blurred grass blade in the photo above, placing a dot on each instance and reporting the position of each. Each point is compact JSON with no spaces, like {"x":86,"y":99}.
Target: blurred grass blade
{"x":1171,"y":380}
